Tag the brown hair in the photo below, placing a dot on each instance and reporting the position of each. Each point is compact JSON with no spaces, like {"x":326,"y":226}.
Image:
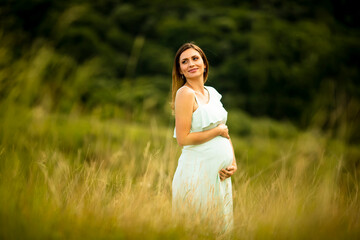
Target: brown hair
{"x":177,"y":80}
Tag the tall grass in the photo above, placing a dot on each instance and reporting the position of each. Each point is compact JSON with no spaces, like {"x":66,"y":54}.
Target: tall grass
{"x":82,"y":177}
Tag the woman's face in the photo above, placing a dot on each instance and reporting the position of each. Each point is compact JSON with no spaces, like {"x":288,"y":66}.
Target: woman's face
{"x":191,"y":64}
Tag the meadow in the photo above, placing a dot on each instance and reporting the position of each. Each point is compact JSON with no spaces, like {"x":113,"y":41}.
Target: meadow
{"x":83,"y":176}
{"x":86,"y":146}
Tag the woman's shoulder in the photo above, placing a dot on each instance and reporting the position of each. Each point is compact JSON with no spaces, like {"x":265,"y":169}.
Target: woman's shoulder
{"x":184,"y":98}
{"x":185,"y":91}
{"x":184,"y":94}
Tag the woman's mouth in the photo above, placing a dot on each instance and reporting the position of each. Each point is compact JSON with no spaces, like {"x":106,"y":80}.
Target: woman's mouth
{"x":193,"y":70}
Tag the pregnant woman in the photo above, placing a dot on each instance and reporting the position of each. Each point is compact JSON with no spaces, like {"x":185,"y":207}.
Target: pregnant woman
{"x":201,"y":184}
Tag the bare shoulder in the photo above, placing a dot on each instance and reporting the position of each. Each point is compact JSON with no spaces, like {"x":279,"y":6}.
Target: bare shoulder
{"x":184,"y":100}
{"x":185,"y":93}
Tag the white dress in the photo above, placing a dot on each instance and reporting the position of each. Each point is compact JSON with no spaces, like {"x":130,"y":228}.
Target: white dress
{"x":196,"y":184}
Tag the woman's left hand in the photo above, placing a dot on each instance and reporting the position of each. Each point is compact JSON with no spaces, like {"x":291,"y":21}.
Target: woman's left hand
{"x":227,"y":172}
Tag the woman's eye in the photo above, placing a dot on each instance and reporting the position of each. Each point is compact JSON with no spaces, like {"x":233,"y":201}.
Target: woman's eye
{"x":195,"y":58}
{"x":183,"y":62}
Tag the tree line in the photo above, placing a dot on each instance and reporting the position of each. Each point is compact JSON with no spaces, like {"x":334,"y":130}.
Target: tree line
{"x":289,"y":60}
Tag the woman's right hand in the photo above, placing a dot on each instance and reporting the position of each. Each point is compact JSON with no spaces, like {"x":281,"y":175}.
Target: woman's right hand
{"x":223,"y":130}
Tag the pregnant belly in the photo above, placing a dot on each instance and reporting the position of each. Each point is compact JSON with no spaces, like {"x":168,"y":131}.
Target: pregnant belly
{"x":221,"y":151}
{"x":216,"y":152}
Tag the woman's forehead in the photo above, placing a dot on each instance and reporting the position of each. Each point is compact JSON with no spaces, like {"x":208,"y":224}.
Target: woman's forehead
{"x":189,"y":53}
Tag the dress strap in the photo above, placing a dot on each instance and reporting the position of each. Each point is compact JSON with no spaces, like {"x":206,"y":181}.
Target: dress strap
{"x":196,"y":99}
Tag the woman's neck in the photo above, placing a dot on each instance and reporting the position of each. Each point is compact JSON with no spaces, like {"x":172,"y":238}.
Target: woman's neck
{"x":197,"y":85}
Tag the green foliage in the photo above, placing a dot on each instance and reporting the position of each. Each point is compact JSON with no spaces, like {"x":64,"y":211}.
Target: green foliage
{"x":294,"y":61}
{"x":242,"y":124}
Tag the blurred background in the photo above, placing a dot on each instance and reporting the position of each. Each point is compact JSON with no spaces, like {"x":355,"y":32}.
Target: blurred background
{"x":88,"y":82}
{"x":295,"y":61}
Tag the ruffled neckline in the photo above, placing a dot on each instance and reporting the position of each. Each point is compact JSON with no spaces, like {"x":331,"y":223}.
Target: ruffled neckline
{"x":208,"y":115}
{"x":203,"y":104}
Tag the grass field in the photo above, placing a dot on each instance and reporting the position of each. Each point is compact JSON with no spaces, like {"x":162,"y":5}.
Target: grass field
{"x":83,"y":177}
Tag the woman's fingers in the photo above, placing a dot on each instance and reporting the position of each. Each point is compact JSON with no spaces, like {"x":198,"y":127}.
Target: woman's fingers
{"x":222,"y":175}
{"x":224,"y":130}
{"x":225,"y":174}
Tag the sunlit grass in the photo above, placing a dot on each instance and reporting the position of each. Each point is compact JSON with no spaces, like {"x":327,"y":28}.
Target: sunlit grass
{"x":80,"y":177}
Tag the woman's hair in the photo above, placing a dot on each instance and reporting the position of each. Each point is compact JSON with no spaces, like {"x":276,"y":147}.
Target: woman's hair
{"x":177,"y":80}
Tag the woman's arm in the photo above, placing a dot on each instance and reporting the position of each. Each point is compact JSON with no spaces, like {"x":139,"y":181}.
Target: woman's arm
{"x":184,"y":107}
